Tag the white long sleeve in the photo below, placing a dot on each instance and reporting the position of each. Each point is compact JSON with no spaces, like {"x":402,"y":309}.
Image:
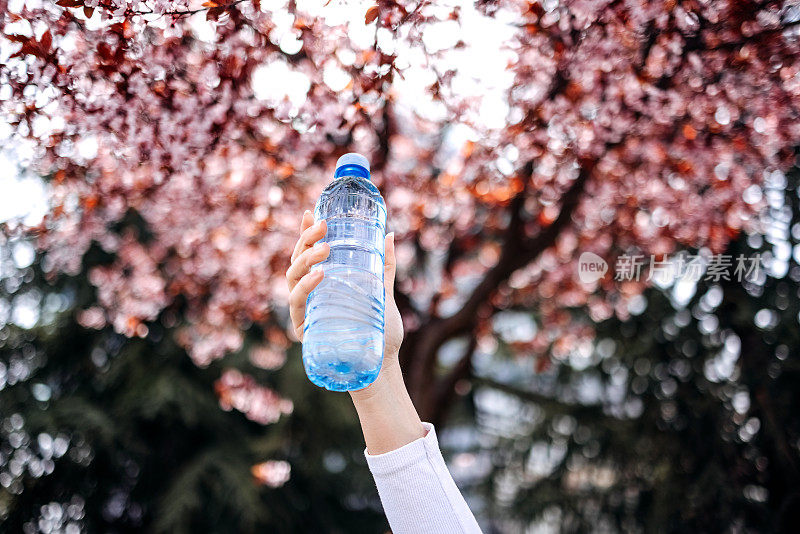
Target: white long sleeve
{"x":417,"y":491}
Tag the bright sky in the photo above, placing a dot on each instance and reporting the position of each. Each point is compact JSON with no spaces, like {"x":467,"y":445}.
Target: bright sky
{"x":23,"y":193}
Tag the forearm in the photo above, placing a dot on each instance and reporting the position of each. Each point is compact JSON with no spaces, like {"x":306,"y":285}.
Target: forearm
{"x":387,"y":415}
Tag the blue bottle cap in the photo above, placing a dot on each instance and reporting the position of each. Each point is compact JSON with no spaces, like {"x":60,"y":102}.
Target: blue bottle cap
{"x":352,"y":164}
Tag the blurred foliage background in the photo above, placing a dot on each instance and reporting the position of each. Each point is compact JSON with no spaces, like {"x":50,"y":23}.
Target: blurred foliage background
{"x":693,"y":424}
{"x":167,"y":148}
{"x":683,"y":418}
{"x":110,"y":434}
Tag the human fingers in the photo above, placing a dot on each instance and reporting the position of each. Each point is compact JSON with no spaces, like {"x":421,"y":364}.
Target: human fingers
{"x":303,"y":263}
{"x":298,"y":297}
{"x":307,"y":221}
{"x":308,"y":237}
{"x":389,"y":264}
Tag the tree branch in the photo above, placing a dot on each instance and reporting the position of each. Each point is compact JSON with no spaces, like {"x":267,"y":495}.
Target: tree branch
{"x":518,"y":252}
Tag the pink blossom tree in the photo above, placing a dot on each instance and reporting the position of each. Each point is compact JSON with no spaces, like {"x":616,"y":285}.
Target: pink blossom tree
{"x":625,"y":126}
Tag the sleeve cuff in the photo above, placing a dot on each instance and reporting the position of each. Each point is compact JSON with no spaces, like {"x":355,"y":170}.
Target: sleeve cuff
{"x":409,"y":454}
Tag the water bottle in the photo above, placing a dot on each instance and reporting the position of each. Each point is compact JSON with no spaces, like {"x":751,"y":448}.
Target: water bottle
{"x":343,"y":331}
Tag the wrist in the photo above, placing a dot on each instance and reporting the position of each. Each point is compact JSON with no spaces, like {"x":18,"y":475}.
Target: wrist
{"x":384,"y":386}
{"x":387,"y":415}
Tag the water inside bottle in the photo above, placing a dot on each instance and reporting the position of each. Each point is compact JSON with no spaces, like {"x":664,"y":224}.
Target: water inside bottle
{"x":343,"y":332}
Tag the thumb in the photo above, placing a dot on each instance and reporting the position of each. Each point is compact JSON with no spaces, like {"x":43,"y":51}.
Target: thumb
{"x":390,"y":264}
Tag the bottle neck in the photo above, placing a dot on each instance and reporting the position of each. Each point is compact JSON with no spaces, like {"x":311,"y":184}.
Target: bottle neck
{"x":351,"y":170}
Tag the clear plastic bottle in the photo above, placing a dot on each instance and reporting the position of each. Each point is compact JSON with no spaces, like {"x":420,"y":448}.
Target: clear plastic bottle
{"x":343,"y":332}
